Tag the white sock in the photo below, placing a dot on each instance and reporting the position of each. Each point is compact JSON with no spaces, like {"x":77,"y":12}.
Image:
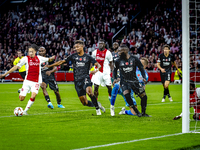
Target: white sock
{"x":29,"y":104}
{"x":181,"y":114}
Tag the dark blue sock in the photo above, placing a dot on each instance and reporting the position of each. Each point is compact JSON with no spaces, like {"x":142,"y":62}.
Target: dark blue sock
{"x":114,"y":94}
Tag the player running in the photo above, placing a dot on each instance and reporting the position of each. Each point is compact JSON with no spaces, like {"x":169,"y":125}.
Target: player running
{"x":33,"y":77}
{"x":127,"y":65}
{"x":22,"y":70}
{"x":164,"y":63}
{"x":102,"y":77}
{"x":81,"y":64}
{"x":48,"y":78}
{"x":144,"y":62}
{"x":194,"y":101}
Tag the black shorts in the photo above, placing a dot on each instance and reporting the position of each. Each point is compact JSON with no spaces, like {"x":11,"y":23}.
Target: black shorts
{"x":51,"y":82}
{"x":165,"y":77}
{"x":81,"y":86}
{"x":136,"y":86}
{"x":23,"y":74}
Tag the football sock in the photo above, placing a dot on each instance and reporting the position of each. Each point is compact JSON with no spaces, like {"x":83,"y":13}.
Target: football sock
{"x":165,"y":93}
{"x":130,"y":102}
{"x":144,"y":103}
{"x":29,"y":104}
{"x":114,"y":94}
{"x":47,"y":98}
{"x":58,"y":98}
{"x":90,"y":104}
{"x":128,"y":112}
{"x":168,"y":93}
{"x":94,"y":101}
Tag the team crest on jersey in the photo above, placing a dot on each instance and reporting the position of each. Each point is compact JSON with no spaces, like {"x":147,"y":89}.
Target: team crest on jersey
{"x":138,"y":75}
{"x":115,"y":55}
{"x":166,"y":59}
{"x":80,"y":59}
{"x":103,"y":55}
{"x":126,"y":63}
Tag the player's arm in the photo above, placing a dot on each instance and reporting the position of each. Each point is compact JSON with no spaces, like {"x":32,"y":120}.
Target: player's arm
{"x":15,"y":63}
{"x":51,"y":58}
{"x":10,"y":71}
{"x":174,"y":63}
{"x":141,"y":68}
{"x":158,"y":65}
{"x":56,"y":64}
{"x":51,"y":71}
{"x":111,"y":66}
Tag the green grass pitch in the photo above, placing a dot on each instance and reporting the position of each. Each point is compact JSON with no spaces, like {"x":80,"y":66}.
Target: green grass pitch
{"x":77,"y":126}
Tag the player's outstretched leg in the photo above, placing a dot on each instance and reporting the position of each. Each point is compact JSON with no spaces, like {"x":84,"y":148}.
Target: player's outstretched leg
{"x":58,"y":99}
{"x":130,"y":102}
{"x":30,"y":103}
{"x":46,"y":95}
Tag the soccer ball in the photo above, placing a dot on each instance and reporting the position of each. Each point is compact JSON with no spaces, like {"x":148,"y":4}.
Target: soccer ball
{"x":18,"y":111}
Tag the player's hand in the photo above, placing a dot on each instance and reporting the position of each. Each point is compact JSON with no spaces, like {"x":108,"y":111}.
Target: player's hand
{"x":145,"y":81}
{"x":178,"y":73}
{"x":115,"y":81}
{"x":2,"y":75}
{"x":163,"y":70}
{"x":46,"y":66}
{"x":177,"y":117}
{"x":93,"y":72}
{"x":48,"y":73}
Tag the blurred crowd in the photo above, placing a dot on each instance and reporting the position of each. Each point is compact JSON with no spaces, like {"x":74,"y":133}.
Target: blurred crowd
{"x":56,"y":24}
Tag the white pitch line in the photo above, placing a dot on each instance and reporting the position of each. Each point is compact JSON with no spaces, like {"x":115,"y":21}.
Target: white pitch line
{"x":125,"y":142}
{"x":81,"y":110}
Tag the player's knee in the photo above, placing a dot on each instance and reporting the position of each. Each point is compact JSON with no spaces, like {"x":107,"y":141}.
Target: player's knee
{"x":90,"y":94}
{"x":21,"y":98}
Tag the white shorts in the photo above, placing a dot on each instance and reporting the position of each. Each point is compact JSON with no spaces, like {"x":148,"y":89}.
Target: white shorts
{"x":101,"y":79}
{"x":29,"y":86}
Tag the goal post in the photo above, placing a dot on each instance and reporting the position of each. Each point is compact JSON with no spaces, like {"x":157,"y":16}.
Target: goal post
{"x":186,"y":70}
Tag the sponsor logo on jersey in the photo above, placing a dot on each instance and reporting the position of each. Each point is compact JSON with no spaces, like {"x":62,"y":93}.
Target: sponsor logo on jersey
{"x":34,"y":64}
{"x":80,"y":64}
{"x":128,"y":69}
{"x":166,"y":63}
{"x":100,"y":58}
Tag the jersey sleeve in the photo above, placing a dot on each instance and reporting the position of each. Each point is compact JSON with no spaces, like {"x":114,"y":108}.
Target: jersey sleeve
{"x":22,"y":62}
{"x":15,"y":62}
{"x":147,"y":76}
{"x":94,"y":54}
{"x":115,"y":69}
{"x":109,"y":56}
{"x":92,"y":60}
{"x":159,"y":58}
{"x":43,"y":59}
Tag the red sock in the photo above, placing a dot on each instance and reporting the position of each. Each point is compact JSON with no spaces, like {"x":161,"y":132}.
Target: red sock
{"x":32,"y":99}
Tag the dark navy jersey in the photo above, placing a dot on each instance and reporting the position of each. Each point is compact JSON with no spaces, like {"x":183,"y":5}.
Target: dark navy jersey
{"x":166,"y":62}
{"x":127,"y":69}
{"x":81,"y":65}
{"x":115,"y":56}
{"x":44,"y":70}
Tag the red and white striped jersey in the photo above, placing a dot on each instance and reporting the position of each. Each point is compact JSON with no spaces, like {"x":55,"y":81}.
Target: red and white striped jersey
{"x":103,"y":58}
{"x":33,"y":67}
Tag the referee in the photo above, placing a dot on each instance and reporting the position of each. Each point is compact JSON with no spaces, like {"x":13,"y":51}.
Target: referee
{"x":22,"y":70}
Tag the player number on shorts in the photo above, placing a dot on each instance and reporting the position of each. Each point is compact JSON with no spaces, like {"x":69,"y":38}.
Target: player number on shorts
{"x":168,"y":76}
{"x":37,"y":87}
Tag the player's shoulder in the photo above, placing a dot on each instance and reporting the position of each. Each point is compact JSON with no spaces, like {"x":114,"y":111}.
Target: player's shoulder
{"x":170,"y":55}
{"x":133,"y":57}
{"x":161,"y":55}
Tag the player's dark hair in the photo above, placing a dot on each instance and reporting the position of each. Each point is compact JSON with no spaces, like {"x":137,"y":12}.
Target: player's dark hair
{"x":102,"y":40}
{"x":116,"y":43}
{"x":146,"y":60}
{"x":166,"y":46}
{"x":192,"y":84}
{"x":124,"y":47}
{"x":34,"y":46}
{"x":79,"y":42}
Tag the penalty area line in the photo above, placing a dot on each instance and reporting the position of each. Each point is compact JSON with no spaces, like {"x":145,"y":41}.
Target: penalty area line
{"x":126,"y":142}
